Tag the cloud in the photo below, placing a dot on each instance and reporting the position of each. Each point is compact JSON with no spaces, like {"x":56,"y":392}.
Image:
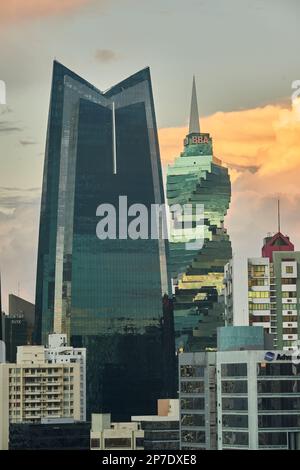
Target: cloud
{"x":9,"y":127}
{"x":13,"y":10}
{"x":6,"y":110}
{"x":27,"y":142}
{"x":261,"y":148}
{"x":106,"y":55}
{"x":19,"y":213}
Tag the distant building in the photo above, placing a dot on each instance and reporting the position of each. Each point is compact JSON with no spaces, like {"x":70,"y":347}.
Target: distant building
{"x":21,"y":307}
{"x":106,"y":435}
{"x":39,"y":385}
{"x":161,"y":431}
{"x":274,"y":291}
{"x":254,"y":391}
{"x":51,"y":434}
{"x":15,"y":333}
{"x":17,"y":326}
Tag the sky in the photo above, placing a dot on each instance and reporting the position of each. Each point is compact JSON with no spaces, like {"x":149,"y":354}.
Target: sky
{"x":244,"y":55}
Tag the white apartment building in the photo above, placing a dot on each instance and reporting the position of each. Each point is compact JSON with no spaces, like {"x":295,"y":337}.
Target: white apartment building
{"x":40,"y":385}
{"x":58,"y":352}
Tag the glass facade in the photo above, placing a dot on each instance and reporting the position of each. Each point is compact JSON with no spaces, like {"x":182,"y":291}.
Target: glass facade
{"x":198,"y":177}
{"x":105,"y":294}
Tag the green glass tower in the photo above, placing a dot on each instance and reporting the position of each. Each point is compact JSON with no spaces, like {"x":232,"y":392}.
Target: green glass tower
{"x":108,"y":295}
{"x":198,"y":177}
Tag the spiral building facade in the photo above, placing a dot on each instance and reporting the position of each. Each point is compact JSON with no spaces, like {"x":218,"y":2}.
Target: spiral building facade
{"x":198,"y":177}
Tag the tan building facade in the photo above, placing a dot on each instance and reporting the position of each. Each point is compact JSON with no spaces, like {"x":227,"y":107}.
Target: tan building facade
{"x":33,"y":389}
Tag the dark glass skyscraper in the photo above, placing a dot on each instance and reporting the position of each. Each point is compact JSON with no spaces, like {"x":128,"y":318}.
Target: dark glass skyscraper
{"x":105,"y":294}
{"x":198,"y":177}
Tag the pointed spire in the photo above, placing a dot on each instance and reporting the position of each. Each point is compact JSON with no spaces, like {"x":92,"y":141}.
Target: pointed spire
{"x":278,"y":214}
{"x":194,"y":116}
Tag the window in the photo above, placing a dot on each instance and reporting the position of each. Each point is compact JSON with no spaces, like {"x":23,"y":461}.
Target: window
{"x":272,"y":439}
{"x":192,"y":371}
{"x":238,"y":404}
{"x":278,"y":421}
{"x":235,"y":421}
{"x":192,"y":403}
{"x":192,"y":387}
{"x":278,"y":386}
{"x":289,"y":269}
{"x":235,"y":438}
{"x":118,"y":442}
{"x":238,"y":386}
{"x":234,"y":370}
{"x":198,"y":437}
{"x":139,"y":442}
{"x":281,"y":403}
{"x":95,"y":443}
{"x":193,"y":420}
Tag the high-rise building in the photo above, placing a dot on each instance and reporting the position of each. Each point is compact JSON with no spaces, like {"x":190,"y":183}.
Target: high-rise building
{"x":14,"y":334}
{"x":105,"y":294}
{"x":198,"y":177}
{"x":17,"y":326}
{"x":39,"y":385}
{"x":274,"y":291}
{"x":198,"y":402}
{"x":22,"y":308}
{"x":243,"y":396}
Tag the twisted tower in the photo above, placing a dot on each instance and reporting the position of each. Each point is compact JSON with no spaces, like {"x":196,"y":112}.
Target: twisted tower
{"x":198,"y":177}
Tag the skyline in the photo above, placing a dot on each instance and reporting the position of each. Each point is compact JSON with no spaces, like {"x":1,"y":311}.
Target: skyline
{"x":254,"y":128}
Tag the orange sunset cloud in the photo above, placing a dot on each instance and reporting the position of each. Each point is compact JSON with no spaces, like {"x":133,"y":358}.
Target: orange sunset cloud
{"x":263,"y":142}
{"x":261,"y":148}
{"x":18,"y":9}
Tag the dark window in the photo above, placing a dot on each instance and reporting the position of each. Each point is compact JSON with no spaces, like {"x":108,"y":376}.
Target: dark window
{"x":235,"y":404}
{"x":95,"y":443}
{"x":278,"y":386}
{"x":272,"y":438}
{"x":192,"y":387}
{"x":117,"y":442}
{"x":192,"y":371}
{"x":193,"y":420}
{"x":235,"y":438}
{"x":239,"y":386}
{"x":234,"y":370}
{"x":193,"y":436}
{"x":235,"y":421}
{"x":192,"y":403}
{"x":282,"y":403}
{"x":278,"y":421}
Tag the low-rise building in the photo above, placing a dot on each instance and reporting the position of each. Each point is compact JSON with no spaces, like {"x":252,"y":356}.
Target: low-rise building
{"x":161,"y":431}
{"x":106,"y":435}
